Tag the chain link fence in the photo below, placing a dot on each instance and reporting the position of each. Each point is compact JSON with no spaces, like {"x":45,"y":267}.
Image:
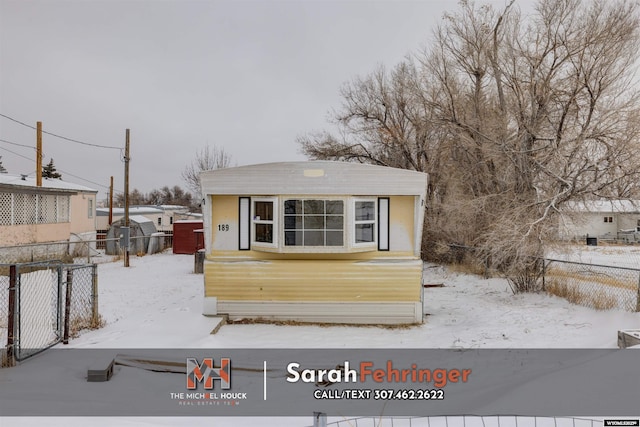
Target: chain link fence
{"x":44,"y":303}
{"x":85,"y":251}
{"x":602,"y":287}
{"x":597,"y":286}
{"x":4,"y":314}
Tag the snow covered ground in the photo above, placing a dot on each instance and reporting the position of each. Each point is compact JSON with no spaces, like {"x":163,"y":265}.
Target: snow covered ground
{"x":605,"y":254}
{"x":156,"y":303}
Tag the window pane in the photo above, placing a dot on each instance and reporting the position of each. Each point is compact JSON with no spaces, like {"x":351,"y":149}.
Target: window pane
{"x":364,"y":233}
{"x":334,"y":207}
{"x":264,"y":233}
{"x":334,"y":238}
{"x":292,"y":222}
{"x":335,"y":222}
{"x":293,"y":206}
{"x":313,"y":207}
{"x":293,"y":238}
{"x":263,"y":211}
{"x":315,"y":222}
{"x":365,"y":211}
{"x":314,"y":238}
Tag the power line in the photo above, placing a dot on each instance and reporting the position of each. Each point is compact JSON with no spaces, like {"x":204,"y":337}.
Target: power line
{"x":65,"y":172}
{"x":15,"y":143}
{"x":60,"y":136}
{"x":83,"y":179}
{"x":17,"y":154}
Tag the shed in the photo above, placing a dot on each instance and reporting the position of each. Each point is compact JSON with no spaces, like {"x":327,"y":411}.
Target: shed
{"x":141,"y":230}
{"x":185,"y":237}
{"x":328,"y":242}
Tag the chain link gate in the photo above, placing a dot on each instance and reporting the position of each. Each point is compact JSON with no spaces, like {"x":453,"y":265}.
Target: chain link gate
{"x":43,"y":304}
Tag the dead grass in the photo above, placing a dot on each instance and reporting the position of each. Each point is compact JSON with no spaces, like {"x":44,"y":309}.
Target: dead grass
{"x":4,"y":360}
{"x":599,"y":300}
{"x":77,"y":324}
{"x":591,"y":277}
{"x":467,"y":268}
{"x":262,"y":321}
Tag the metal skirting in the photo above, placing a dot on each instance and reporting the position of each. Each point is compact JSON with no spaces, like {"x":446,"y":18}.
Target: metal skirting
{"x":383,"y":313}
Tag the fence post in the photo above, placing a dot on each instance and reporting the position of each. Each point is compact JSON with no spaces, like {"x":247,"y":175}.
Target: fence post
{"x":94,"y":295}
{"x":319,"y":419}
{"x":638,"y":296}
{"x":67,"y":306}
{"x":13,"y":283}
{"x":60,"y":323}
{"x":544,"y":275}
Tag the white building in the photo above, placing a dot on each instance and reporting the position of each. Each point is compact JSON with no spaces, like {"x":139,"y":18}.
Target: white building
{"x":163,"y":216}
{"x":606,"y":219}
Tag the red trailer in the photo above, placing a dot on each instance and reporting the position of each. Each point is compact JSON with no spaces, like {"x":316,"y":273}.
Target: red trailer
{"x":188,"y":236}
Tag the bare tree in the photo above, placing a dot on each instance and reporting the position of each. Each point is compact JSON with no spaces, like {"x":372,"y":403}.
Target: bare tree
{"x":513,"y":118}
{"x":208,"y":158}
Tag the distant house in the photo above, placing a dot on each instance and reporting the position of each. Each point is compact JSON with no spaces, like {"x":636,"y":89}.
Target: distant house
{"x":612,"y":219}
{"x":330,"y":242}
{"x":56,"y":211}
{"x":162,"y":216}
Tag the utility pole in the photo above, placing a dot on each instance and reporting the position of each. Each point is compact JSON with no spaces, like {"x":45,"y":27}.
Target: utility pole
{"x":111,"y":202}
{"x":39,"y":154}
{"x":126,"y":201}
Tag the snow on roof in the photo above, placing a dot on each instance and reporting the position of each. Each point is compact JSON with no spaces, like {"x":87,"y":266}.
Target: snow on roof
{"x":140,"y":209}
{"x":135,"y":210}
{"x":171,"y":207}
{"x":600,"y":206}
{"x":30,"y":182}
{"x":139,"y":219}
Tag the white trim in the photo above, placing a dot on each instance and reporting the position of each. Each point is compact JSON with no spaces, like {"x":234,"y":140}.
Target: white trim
{"x":374,"y":222}
{"x":274,"y":223}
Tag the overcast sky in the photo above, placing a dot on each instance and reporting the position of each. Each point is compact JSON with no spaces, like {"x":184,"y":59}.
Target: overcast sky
{"x":248,"y":76}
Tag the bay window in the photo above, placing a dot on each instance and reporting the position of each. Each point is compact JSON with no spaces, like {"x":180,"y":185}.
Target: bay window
{"x":310,"y":222}
{"x":325,"y":224}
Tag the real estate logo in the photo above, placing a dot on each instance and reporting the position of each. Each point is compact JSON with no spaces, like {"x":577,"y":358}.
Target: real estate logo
{"x":206,"y":373}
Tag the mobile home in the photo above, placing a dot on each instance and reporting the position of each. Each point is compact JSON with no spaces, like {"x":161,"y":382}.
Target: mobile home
{"x":318,"y":241}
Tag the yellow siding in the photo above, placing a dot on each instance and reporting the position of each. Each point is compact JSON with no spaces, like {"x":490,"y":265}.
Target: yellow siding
{"x":309,"y":280}
{"x":401,"y":223}
{"x":224,"y":211}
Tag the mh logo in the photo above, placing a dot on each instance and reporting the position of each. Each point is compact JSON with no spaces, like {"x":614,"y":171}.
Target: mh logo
{"x":197,"y":372}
